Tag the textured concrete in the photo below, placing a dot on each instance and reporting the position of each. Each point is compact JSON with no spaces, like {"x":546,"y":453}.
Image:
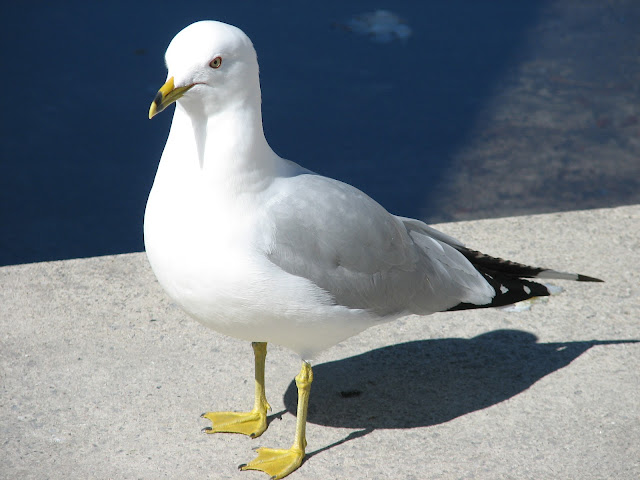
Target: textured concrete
{"x":101,"y":377}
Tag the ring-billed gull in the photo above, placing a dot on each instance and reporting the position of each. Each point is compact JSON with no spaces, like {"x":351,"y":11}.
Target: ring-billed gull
{"x":259,"y":248}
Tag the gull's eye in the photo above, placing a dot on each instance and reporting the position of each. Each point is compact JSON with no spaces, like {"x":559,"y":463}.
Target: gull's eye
{"x":216,"y":62}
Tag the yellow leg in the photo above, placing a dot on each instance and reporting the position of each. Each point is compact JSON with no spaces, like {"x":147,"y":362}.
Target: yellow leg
{"x":279,"y":463}
{"x":252,"y":423}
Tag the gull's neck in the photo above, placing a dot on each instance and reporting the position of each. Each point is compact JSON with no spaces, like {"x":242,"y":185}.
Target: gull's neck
{"x":226,"y":149}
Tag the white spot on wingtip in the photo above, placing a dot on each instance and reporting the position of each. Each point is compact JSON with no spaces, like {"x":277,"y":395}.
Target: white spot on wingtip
{"x":524,"y":305}
{"x":527,"y":290}
{"x":503,"y":289}
{"x":554,"y":289}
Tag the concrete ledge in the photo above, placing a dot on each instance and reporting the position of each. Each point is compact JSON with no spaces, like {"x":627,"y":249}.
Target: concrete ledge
{"x":101,"y":377}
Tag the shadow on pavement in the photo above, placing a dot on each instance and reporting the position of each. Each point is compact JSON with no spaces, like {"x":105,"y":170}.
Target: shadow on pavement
{"x":427,"y":382}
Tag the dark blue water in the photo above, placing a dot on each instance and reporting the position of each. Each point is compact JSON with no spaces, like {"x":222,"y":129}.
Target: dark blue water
{"x":78,"y":154}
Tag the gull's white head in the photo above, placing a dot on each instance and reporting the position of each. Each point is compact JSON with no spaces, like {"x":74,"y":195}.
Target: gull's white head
{"x":211,"y":65}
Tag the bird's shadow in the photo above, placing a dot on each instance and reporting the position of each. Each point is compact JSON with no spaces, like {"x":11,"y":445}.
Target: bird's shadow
{"x":427,"y":382}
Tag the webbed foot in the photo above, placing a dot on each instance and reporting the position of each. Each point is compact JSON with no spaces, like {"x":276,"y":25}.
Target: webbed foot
{"x":277,"y":463}
{"x":252,"y":423}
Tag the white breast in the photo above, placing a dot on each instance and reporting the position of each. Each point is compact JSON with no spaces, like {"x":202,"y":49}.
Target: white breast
{"x":217,"y":271}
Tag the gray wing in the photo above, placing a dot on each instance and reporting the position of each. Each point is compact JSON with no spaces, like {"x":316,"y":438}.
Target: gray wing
{"x":346,"y":243}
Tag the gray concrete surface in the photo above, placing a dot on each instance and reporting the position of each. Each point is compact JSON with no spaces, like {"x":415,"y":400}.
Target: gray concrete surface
{"x":101,"y":377}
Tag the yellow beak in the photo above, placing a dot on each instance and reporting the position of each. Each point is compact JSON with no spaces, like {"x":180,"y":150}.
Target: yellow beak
{"x":167,"y":94}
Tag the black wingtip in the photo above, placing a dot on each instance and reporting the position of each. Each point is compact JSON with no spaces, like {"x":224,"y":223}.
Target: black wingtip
{"x":584,"y":278}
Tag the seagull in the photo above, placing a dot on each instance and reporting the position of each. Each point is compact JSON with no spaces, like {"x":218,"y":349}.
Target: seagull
{"x":261,"y":249}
